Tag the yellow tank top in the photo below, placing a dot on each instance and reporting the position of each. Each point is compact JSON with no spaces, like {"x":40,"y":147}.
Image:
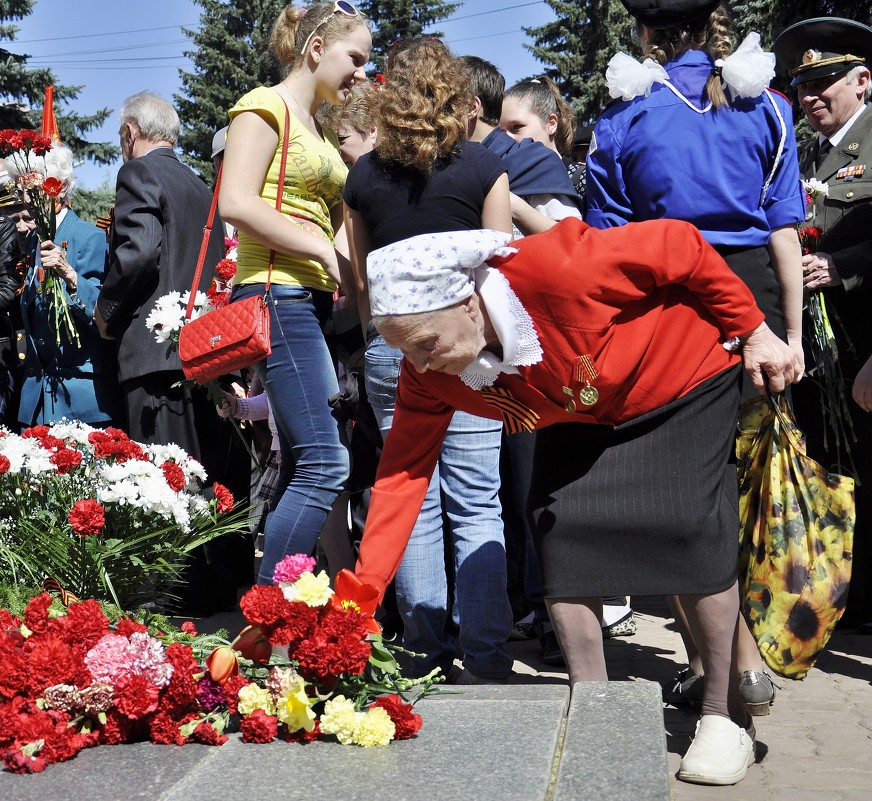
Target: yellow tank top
{"x":314,"y":178}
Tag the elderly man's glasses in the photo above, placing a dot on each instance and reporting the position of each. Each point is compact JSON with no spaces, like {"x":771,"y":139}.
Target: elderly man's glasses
{"x":339,"y":7}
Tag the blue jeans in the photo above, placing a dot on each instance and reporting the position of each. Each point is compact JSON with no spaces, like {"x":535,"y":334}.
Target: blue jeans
{"x":299,"y":377}
{"x":468,"y":477}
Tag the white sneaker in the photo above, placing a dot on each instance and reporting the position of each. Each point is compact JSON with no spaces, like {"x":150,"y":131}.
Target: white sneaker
{"x":720,"y":752}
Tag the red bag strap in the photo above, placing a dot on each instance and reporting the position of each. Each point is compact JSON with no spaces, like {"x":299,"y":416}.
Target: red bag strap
{"x":207,"y":228}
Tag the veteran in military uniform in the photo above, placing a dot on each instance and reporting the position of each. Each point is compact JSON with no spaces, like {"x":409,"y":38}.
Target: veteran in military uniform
{"x":828,"y":59}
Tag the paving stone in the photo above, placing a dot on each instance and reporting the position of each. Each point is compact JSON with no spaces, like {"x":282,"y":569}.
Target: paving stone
{"x":467,"y":742}
{"x":615,"y":746}
{"x":137,"y":772}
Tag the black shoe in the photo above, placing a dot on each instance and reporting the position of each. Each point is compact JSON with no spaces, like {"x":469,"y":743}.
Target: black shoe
{"x":551,"y":653}
{"x":685,"y":689}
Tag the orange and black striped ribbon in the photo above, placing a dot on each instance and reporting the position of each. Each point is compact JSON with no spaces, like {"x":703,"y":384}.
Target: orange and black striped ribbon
{"x":516,"y":416}
{"x":51,"y":584}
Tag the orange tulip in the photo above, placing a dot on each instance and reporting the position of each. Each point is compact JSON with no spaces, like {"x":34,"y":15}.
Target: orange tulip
{"x":253,"y":645}
{"x":350,"y":592}
{"x":222,"y":664}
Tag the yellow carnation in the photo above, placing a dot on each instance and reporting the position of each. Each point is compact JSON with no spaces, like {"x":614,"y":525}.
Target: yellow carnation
{"x":252,"y":697}
{"x":309,"y":589}
{"x":340,"y":718}
{"x":294,"y":708}
{"x":375,"y":727}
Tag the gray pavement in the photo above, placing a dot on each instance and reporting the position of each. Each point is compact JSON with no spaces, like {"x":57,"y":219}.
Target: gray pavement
{"x":816,"y":744}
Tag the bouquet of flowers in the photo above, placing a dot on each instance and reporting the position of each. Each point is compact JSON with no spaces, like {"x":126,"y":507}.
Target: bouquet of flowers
{"x":341,"y":678}
{"x":72,"y":679}
{"x":24,"y":152}
{"x":826,"y":370}
{"x":103,"y":515}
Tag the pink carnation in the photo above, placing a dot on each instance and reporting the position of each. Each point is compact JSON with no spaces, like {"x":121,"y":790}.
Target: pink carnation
{"x":115,"y":656}
{"x":109,"y":659}
{"x":292,"y":567}
{"x":149,"y":659}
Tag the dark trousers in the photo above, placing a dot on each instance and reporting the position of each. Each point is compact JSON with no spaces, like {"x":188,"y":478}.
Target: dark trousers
{"x":160,"y":413}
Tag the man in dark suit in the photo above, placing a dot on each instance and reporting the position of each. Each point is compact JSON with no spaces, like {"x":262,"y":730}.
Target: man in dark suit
{"x":161,"y":207}
{"x":829,"y":60}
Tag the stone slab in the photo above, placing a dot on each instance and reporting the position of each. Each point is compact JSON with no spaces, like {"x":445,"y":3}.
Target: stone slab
{"x":614,"y":748}
{"x":136,"y":772}
{"x":467,"y":748}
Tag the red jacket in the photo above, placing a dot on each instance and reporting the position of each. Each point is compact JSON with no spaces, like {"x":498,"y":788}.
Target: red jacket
{"x":650,"y":304}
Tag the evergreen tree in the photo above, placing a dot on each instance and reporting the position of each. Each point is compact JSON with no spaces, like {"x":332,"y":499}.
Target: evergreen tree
{"x":90,"y":204}
{"x":394,"y":18}
{"x":232,"y":57}
{"x":22,"y":90}
{"x":577,"y":47}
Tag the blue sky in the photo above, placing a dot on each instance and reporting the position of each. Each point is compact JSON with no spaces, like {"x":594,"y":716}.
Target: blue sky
{"x":113,"y":49}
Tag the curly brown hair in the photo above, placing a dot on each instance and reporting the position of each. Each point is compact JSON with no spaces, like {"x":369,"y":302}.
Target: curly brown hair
{"x":423,"y":106}
{"x":712,"y":33}
{"x":296,"y":24}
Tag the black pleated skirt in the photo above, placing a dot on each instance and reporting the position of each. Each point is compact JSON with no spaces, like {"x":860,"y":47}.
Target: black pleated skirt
{"x":648,"y":508}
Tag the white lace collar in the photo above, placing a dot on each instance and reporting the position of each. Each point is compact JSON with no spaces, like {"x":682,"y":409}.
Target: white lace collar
{"x":514,"y":328}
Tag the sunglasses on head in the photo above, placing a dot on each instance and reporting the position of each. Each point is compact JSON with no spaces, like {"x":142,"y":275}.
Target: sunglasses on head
{"x":339,"y":7}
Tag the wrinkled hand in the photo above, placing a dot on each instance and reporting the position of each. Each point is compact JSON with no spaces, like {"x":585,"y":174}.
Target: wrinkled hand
{"x":795,"y":344}
{"x":53,"y":258}
{"x":819,"y":271}
{"x":769,"y":360}
{"x":862,"y":390}
{"x":230,"y":406}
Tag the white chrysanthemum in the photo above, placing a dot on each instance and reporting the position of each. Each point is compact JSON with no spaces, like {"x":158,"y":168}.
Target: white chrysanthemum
{"x":816,"y":188}
{"x":167,"y":453}
{"x":120,"y":492}
{"x":164,"y":321}
{"x":26,"y":455}
{"x":72,"y":431}
{"x":194,"y":471}
{"x":197,"y":505}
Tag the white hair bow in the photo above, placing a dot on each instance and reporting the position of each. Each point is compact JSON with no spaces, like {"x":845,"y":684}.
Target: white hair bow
{"x":627,"y":78}
{"x":749,"y":71}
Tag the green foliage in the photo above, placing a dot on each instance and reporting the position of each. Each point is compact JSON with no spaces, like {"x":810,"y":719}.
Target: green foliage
{"x":231,"y":56}
{"x":577,"y":46}
{"x":90,"y":204}
{"x":394,"y":18}
{"x":22,"y":90}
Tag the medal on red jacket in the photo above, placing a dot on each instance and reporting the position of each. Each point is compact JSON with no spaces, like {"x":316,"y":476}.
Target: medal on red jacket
{"x":584,"y":371}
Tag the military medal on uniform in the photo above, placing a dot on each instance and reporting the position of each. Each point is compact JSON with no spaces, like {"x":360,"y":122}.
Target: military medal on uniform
{"x":588,"y":395}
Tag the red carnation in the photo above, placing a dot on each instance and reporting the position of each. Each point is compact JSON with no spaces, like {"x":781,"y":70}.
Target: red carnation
{"x":66,"y":459}
{"x":407,"y":723}
{"x":258,"y":727}
{"x":4,"y":464}
{"x":225,"y":269}
{"x":36,"y":613}
{"x":224,"y":497}
{"x":264,"y":605}
{"x":126,"y":626}
{"x":207,"y":734}
{"x":116,"y":729}
{"x":189,"y":628}
{"x":163,"y":729}
{"x":35,"y":432}
{"x":231,"y":689}
{"x":85,"y":624}
{"x":301,"y":735}
{"x":87,"y":517}
{"x":135,"y":696}
{"x":50,"y":661}
{"x":174,"y":475}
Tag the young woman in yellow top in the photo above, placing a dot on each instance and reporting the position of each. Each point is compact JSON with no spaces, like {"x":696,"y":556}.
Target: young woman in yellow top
{"x":324,"y":49}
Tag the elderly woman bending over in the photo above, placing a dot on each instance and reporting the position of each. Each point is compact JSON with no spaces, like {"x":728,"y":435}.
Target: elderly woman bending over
{"x":629,"y":371}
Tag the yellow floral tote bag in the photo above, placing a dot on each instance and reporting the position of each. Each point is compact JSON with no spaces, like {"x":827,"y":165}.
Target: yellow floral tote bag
{"x":796,"y":536}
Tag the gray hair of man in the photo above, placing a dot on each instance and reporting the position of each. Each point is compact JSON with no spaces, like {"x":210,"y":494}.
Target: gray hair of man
{"x":852,"y":75}
{"x":154,"y":118}
{"x":56,"y":163}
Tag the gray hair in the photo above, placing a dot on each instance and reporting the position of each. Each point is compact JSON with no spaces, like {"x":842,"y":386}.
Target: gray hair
{"x":852,"y":76}
{"x":153,"y":117}
{"x":56,"y":163}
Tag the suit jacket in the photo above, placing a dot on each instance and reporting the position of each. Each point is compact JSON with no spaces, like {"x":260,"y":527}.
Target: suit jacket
{"x":649,"y":303}
{"x":845,"y":215}
{"x":161,"y":208}
{"x":65,"y":380}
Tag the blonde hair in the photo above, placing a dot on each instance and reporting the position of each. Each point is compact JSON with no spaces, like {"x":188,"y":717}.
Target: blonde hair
{"x":357,"y":112}
{"x":423,"y":106}
{"x":712,"y":33}
{"x":542,"y":97}
{"x":297,"y":25}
